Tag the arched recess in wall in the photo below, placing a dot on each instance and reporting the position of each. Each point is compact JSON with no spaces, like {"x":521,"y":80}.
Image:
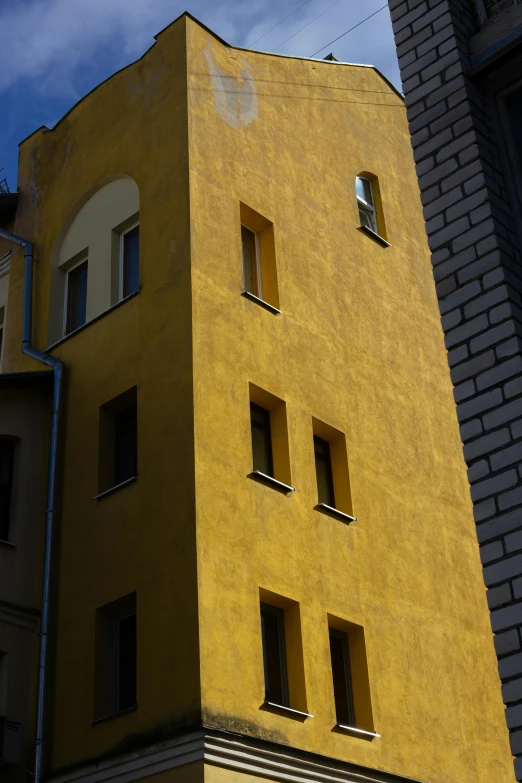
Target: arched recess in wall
{"x":369,"y":201}
{"x":87,"y":262}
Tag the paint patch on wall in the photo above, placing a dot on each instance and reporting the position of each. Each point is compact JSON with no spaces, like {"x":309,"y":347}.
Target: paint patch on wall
{"x":235,"y":95}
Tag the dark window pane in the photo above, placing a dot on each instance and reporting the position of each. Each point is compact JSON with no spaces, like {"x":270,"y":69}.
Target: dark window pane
{"x":248,"y":240}
{"x":76,"y":298}
{"x":323,"y":467}
{"x":6,"y":485}
{"x":274,"y":659}
{"x":342,"y":681}
{"x":261,"y":439}
{"x":514,"y":110}
{"x":126,"y":663}
{"x":131,"y":261}
{"x":125,"y":444}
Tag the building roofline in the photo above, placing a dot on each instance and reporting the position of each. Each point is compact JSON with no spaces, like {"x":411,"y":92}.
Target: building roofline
{"x":187,"y":14}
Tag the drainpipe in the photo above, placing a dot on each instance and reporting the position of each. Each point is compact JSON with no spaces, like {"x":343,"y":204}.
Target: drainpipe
{"x":58,"y":369}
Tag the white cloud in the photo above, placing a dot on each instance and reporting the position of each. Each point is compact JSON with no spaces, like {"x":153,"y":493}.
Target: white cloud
{"x":47,"y":43}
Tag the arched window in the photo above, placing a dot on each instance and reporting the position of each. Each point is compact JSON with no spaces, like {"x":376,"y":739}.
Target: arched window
{"x":369,"y":203}
{"x":95,"y":262}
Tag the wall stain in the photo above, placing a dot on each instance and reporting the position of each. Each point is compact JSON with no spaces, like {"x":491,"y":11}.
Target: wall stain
{"x":235,"y":96}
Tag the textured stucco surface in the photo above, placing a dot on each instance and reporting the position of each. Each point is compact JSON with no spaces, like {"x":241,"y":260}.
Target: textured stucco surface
{"x":358,"y":346}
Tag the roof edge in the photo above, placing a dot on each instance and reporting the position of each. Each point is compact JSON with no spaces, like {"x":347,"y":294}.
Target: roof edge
{"x":46,"y":129}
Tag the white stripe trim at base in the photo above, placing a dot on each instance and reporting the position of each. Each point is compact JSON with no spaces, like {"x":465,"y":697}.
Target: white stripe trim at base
{"x":241,"y":754}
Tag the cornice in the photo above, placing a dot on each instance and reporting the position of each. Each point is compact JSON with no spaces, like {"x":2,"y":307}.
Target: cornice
{"x":243,"y":754}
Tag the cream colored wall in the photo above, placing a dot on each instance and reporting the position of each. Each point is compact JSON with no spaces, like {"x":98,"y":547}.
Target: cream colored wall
{"x":91,"y":233}
{"x":359,"y":346}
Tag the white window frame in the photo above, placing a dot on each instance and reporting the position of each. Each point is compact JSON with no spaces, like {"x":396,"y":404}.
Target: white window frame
{"x":122,"y":258}
{"x":83,"y":260}
{"x":368,"y":207}
{"x":257,"y":253}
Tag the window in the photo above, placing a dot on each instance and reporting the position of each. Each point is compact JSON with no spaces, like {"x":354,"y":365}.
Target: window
{"x":75,"y":297}
{"x":258,"y":254}
{"x":130,"y":261}
{"x":3,"y":684}
{"x":251,"y":265}
{"x":2,"y":318}
{"x":115,"y":657}
{"x":118,"y":445}
{"x":283,"y":663}
{"x":331,"y":469}
{"x":7,"y":451}
{"x":274,"y":655}
{"x":125,"y":444}
{"x":323,"y":468}
{"x":261,"y":439}
{"x":513,"y":109}
{"x":365,"y":199}
{"x":269,"y":432}
{"x":95,"y":229}
{"x":342,"y":678}
{"x":350,"y":679}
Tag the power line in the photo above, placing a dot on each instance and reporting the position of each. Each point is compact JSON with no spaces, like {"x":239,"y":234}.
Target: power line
{"x":281,"y":22}
{"x":350,"y":30}
{"x":306,"y":25}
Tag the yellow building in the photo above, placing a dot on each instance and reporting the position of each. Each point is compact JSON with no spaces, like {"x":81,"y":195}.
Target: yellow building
{"x":266,"y":562}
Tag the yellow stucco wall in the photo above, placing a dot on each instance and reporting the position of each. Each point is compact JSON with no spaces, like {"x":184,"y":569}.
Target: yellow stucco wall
{"x":358,"y":346}
{"x":142,"y":538}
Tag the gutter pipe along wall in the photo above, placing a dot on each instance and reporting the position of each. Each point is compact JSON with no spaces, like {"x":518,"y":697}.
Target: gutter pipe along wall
{"x":58,"y":369}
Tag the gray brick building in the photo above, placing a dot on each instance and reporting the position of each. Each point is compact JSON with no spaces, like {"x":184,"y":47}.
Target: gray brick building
{"x":461,"y":68}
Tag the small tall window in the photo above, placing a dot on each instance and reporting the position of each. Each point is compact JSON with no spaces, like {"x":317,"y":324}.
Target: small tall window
{"x":118,"y":445}
{"x":7,"y":450}
{"x":76,"y":297}
{"x":125,"y":444}
{"x":323,"y":468}
{"x":259,"y":261}
{"x":115,"y":657}
{"x":331,"y":469}
{"x":274,"y":655}
{"x":124,"y":630}
{"x":2,"y":319}
{"x":130,"y":261}
{"x":3,"y":684}
{"x":342,"y":678}
{"x":261,"y":439}
{"x":251,"y":262}
{"x":366,"y":202}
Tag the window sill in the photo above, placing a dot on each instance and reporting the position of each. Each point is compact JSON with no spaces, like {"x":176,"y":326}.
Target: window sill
{"x":261,"y":302}
{"x":374,"y":235}
{"x":114,"y":715}
{"x":125,"y":483}
{"x":334,"y":512}
{"x":361,"y":733}
{"x":4,"y":542}
{"x":92,"y":321}
{"x":264,"y":478}
{"x":270,"y":705}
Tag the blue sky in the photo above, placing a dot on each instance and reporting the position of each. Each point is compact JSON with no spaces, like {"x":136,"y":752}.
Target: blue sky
{"x":55,"y":51}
